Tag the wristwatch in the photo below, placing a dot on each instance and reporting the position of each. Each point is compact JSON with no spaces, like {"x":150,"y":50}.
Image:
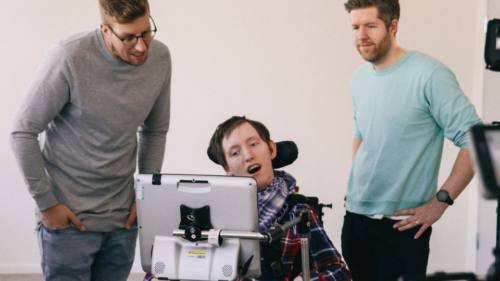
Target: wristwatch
{"x":443,"y":196}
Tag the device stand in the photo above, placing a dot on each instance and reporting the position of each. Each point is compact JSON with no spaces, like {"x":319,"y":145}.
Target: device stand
{"x":304,"y":232}
{"x":272,"y":234}
{"x":174,"y":258}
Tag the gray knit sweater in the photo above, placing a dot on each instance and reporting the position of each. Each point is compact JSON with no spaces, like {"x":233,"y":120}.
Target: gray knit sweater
{"x":96,"y":116}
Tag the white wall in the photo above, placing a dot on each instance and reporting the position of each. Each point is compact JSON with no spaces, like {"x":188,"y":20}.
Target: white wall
{"x":285,"y":63}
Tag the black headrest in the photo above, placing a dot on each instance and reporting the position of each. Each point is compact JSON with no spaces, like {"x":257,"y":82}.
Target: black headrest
{"x":286,"y":153}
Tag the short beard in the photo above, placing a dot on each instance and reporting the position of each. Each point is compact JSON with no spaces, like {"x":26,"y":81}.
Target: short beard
{"x":381,"y":50}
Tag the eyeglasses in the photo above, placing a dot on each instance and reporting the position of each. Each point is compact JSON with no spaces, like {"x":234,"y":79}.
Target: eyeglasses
{"x":131,"y":40}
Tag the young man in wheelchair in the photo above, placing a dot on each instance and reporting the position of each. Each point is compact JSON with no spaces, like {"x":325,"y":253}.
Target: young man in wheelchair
{"x":243,"y":148}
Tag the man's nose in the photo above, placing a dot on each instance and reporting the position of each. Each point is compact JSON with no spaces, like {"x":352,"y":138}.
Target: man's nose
{"x":362,"y":33}
{"x":140,"y":45}
{"x":248,"y":154}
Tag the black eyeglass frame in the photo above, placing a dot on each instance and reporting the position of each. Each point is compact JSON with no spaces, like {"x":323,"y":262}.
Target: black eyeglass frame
{"x":136,"y":37}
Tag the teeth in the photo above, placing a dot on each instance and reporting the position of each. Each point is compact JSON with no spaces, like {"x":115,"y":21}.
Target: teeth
{"x":253,"y":169}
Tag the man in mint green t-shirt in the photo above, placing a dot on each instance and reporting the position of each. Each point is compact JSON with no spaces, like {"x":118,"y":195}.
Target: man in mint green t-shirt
{"x":405,"y":103}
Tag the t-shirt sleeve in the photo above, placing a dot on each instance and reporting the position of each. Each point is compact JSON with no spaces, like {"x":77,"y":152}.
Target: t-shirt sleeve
{"x":449,"y":106}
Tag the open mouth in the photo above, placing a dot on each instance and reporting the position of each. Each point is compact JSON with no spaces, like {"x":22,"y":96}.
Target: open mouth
{"x":253,"y":169}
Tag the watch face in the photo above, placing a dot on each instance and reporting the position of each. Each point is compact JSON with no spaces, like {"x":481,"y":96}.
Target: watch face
{"x":442,"y":195}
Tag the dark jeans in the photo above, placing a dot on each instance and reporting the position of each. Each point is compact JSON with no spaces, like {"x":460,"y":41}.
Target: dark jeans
{"x":374,"y":250}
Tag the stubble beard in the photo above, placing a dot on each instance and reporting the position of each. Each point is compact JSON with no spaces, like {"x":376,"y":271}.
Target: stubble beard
{"x":380,"y":51}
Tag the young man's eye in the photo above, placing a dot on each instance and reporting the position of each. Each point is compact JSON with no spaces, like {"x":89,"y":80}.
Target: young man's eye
{"x":253,"y":144}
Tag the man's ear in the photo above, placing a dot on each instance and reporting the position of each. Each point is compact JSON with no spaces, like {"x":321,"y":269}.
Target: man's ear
{"x":104,"y":28}
{"x":393,"y":28}
{"x":226,"y":168}
{"x":272,"y":149}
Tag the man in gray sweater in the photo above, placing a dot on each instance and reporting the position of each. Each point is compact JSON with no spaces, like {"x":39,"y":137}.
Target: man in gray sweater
{"x":99,"y":100}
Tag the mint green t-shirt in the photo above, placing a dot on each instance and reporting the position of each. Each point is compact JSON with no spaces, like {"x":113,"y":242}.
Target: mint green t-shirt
{"x":403,"y":114}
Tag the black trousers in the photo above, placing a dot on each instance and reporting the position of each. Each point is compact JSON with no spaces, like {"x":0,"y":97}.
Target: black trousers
{"x":374,"y":250}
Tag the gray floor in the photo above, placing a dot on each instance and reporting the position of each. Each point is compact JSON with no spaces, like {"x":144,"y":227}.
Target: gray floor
{"x":39,"y":277}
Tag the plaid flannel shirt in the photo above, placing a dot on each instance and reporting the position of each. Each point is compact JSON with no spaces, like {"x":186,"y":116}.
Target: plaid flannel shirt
{"x":325,"y":262}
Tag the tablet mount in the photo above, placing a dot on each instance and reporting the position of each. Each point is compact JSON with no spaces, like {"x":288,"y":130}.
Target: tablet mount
{"x":196,"y":227}
{"x":194,"y":221}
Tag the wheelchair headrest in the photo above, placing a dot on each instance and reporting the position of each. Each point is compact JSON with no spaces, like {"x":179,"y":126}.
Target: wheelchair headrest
{"x":286,"y":153}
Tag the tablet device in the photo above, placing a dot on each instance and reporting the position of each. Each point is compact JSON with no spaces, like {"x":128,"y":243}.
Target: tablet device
{"x":485,"y":150}
{"x":232,"y":203}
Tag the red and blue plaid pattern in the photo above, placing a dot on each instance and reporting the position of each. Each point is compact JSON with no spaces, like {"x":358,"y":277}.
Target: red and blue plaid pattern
{"x":325,"y":262}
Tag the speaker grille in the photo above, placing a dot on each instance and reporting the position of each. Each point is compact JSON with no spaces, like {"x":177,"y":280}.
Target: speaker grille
{"x":227,"y":270}
{"x":159,"y":267}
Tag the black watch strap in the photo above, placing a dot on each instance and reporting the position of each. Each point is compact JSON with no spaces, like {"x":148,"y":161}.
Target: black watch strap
{"x":444,"y":196}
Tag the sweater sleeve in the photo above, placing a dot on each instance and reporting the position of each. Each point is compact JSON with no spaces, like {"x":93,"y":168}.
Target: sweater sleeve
{"x":47,"y":94}
{"x":153,"y":132}
{"x":449,"y":106}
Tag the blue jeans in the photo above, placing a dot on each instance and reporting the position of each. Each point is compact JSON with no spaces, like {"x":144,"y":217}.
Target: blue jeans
{"x":70,"y":254}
